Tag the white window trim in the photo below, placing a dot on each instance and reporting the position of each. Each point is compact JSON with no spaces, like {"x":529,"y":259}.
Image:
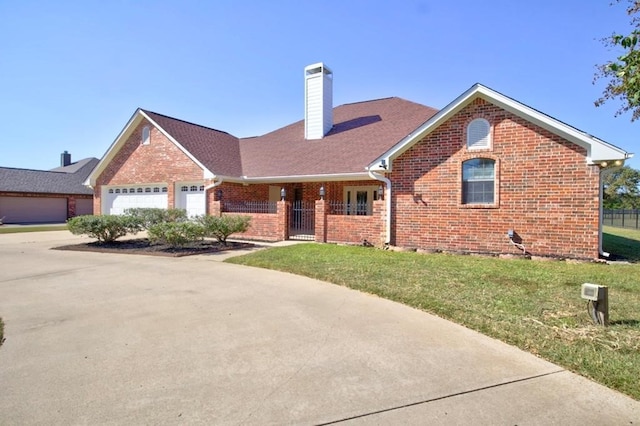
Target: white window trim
{"x":351,"y":207}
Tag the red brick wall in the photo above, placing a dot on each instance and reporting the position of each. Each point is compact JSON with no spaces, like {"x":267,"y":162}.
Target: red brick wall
{"x":355,"y":229}
{"x":160,"y":161}
{"x":545,"y":191}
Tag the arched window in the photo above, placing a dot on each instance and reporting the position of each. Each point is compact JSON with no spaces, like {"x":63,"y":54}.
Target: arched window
{"x":478,"y":181}
{"x":146,"y":135}
{"x":479,"y":134}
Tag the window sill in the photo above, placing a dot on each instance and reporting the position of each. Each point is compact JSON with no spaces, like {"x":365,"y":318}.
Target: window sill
{"x":479,"y":206}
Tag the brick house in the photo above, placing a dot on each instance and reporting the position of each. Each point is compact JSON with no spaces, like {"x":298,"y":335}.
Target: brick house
{"x":46,"y":196}
{"x":484,"y":174}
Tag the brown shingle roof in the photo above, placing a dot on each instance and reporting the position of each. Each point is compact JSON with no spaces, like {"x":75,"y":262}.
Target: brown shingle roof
{"x":218,"y":151}
{"x":362,"y":131}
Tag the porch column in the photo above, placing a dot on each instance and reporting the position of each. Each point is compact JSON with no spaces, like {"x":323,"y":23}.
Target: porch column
{"x":321,"y":222}
{"x":283,"y":220}
{"x":379,"y":212}
{"x":215,"y":208}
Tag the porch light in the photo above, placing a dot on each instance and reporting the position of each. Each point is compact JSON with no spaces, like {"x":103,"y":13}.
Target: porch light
{"x":283,"y":194}
{"x":380,"y":191}
{"x":322,"y":192}
{"x":383,"y":163}
{"x":219,"y":194}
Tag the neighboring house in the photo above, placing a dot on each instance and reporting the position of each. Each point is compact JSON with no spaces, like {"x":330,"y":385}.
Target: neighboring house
{"x":484,"y":174}
{"x":41,"y":196}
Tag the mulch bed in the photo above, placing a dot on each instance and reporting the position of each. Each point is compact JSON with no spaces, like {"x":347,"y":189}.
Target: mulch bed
{"x":143,"y":246}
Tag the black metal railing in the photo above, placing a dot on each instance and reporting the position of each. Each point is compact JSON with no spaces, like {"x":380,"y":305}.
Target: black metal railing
{"x":249,"y":207}
{"x":355,"y":209}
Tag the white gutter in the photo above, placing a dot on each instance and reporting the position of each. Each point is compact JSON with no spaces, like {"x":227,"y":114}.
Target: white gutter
{"x":387,"y":200}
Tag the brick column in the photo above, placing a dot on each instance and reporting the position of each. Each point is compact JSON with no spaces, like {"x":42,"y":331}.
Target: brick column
{"x":283,"y":220}
{"x":215,"y":208}
{"x":321,"y":221}
{"x":379,"y":212}
{"x":71,"y":207}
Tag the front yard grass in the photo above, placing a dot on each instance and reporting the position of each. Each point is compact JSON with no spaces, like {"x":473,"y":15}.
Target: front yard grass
{"x":533,"y":305}
{"x":16,"y":229}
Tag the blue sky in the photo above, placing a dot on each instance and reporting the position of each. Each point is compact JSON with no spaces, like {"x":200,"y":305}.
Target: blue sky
{"x":73,"y":72}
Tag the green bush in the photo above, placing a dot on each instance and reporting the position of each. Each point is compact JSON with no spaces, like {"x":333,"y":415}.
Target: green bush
{"x":221,"y":227}
{"x":105,"y":228}
{"x":176,"y":234}
{"x":154,"y":216}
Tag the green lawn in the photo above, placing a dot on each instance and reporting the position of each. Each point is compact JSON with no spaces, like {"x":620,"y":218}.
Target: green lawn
{"x":622,"y":242}
{"x":15,"y":229}
{"x":533,"y":305}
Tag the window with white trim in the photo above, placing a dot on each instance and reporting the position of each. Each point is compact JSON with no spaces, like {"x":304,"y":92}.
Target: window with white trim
{"x":146,"y":135}
{"x":478,"y":181}
{"x":358,"y":200}
{"x":479,"y":134}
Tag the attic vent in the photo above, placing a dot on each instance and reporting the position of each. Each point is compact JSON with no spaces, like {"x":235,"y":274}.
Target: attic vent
{"x":146,"y":135}
{"x":479,"y":134}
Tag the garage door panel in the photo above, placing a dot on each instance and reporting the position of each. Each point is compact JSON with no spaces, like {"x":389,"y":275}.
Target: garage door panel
{"x":191,"y":198}
{"x":33,"y":209}
{"x":118,"y":202}
{"x":84,"y":206}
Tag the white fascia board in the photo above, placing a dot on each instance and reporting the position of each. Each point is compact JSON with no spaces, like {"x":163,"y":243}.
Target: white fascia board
{"x":206,"y":173}
{"x":114,"y":148}
{"x":597,"y":150}
{"x":297,"y":178}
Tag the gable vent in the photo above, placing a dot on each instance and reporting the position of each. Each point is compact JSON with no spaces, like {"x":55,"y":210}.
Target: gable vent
{"x":478,"y":134}
{"x":318,"y":101}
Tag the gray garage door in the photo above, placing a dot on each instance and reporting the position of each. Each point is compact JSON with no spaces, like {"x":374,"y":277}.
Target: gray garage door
{"x":84,"y":206}
{"x":33,"y":209}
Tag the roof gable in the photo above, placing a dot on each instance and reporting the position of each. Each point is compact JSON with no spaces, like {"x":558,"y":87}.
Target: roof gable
{"x":210,"y":149}
{"x":597,"y":149}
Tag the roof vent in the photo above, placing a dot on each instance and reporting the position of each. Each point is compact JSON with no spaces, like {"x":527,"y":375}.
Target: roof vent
{"x":318,"y":101}
{"x":65,"y":159}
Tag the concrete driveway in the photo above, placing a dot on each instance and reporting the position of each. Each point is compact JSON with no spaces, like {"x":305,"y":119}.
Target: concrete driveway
{"x":116,"y":339}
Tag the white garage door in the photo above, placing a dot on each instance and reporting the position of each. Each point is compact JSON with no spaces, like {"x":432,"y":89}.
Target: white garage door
{"x":191,"y":198}
{"x":118,"y":199}
{"x":33,"y":209}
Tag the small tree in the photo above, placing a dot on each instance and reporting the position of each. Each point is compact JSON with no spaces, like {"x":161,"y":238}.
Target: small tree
{"x":222,"y":227}
{"x":176,"y":234}
{"x":624,"y":72}
{"x":106,"y":228}
{"x":153,"y":216}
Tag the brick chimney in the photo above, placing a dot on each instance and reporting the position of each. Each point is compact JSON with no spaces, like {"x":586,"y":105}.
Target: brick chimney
{"x":65,"y":159}
{"x":318,"y":101}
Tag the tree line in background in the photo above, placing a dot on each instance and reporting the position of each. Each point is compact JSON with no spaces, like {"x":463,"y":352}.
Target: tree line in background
{"x":622,"y":189}
{"x":622,"y":186}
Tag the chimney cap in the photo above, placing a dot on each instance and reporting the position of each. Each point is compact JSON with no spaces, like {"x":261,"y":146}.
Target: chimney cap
{"x":317,"y":68}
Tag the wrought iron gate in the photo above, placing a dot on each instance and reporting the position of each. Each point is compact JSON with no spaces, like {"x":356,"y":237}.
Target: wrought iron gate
{"x":302,"y":220}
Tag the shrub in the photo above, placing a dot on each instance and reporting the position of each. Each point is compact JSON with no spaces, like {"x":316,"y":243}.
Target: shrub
{"x":154,"y":216}
{"x":106,"y":228}
{"x":175,"y":234}
{"x":221,"y":227}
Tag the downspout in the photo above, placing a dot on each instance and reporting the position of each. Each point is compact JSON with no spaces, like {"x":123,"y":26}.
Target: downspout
{"x":207,"y":188}
{"x":601,"y":213}
{"x":387,"y":200}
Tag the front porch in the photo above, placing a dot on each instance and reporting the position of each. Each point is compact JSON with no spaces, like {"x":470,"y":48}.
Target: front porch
{"x":349,"y":213}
